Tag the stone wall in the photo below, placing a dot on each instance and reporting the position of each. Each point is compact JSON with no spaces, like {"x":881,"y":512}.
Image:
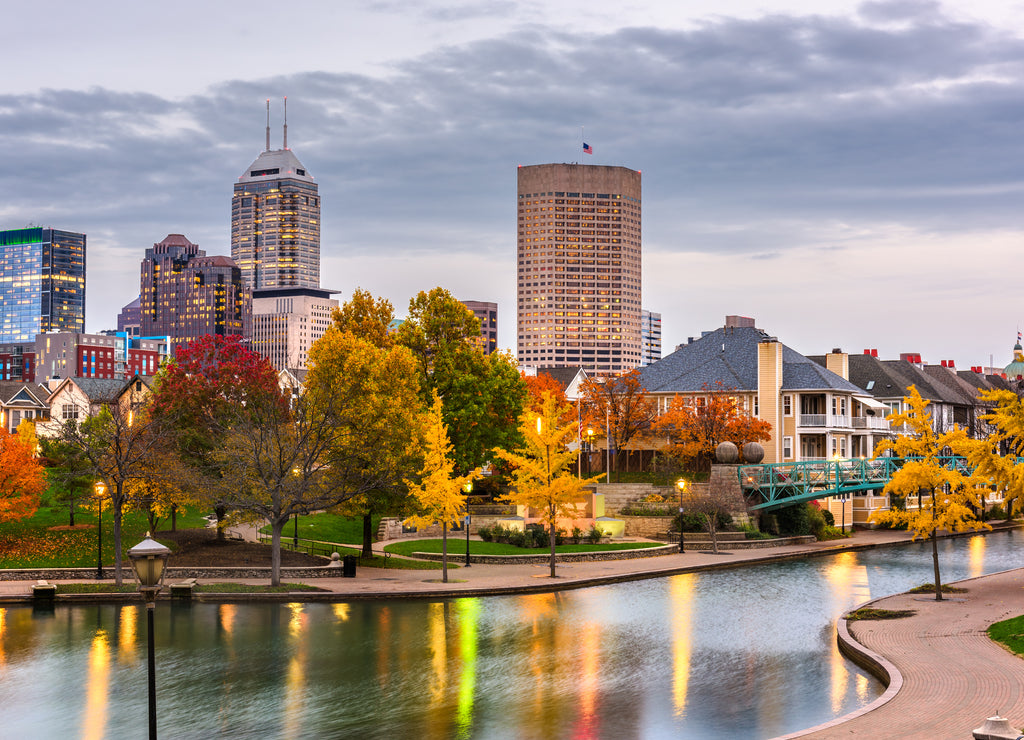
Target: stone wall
{"x":619,"y":495}
{"x":570,"y":557}
{"x":173,"y":574}
{"x":646,"y":526}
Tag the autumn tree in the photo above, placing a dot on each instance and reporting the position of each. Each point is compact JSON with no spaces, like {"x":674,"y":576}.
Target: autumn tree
{"x":196,"y":398}
{"x":375,"y":390}
{"x":118,"y":443}
{"x":482,"y":394}
{"x":950,"y":494}
{"x":366,"y":317}
{"x":543,"y":474}
{"x":68,"y":473}
{"x":439,"y":492}
{"x":998,"y":456}
{"x":539,"y":384}
{"x":22,"y":477}
{"x":695,"y":427}
{"x":617,"y":409}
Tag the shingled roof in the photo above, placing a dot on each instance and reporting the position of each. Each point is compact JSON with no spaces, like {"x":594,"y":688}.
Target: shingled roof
{"x":729,"y":355}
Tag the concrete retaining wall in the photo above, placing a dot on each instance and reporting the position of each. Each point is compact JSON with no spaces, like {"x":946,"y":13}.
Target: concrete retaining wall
{"x":545,"y":557}
{"x":173,"y":574}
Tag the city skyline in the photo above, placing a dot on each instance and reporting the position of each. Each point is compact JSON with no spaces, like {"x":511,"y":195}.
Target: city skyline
{"x":849,"y":178}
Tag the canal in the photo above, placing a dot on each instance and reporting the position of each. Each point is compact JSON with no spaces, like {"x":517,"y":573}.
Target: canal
{"x":748,"y":652}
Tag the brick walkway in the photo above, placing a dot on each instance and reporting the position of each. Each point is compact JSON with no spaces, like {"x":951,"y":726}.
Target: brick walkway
{"x":948,"y":675}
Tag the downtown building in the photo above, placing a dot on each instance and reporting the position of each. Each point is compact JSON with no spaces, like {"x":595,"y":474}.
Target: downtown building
{"x":487,"y":313}
{"x":579,"y":262}
{"x":42,"y":283}
{"x":185,"y":294}
{"x":650,"y":337}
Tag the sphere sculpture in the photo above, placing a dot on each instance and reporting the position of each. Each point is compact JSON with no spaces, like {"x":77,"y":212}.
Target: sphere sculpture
{"x":753,"y":453}
{"x":727,"y":453}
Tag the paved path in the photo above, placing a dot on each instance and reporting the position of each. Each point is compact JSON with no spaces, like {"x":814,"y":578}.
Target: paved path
{"x":948,"y":675}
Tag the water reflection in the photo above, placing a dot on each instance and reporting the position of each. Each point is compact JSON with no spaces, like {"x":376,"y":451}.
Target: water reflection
{"x":740,"y":653}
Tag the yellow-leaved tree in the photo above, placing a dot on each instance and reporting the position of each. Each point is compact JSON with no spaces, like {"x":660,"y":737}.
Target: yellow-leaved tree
{"x":998,"y":456}
{"x":439,"y":492}
{"x":543,"y":475}
{"x":949,"y":493}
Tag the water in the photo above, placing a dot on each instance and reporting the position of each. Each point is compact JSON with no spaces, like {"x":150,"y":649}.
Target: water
{"x":748,"y":652}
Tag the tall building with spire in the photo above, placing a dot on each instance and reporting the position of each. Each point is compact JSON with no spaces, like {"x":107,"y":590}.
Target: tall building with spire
{"x":579,"y":267}
{"x":275,"y":220}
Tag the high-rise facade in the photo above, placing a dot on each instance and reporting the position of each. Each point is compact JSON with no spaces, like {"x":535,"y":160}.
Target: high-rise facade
{"x":487,"y":312}
{"x":42,"y":282}
{"x":287,"y":321}
{"x":186,"y":295}
{"x":275,"y":222}
{"x":650,"y":337}
{"x":579,"y":267}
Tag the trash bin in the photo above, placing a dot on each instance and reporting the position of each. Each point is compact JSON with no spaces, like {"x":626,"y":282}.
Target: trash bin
{"x":348,"y":566}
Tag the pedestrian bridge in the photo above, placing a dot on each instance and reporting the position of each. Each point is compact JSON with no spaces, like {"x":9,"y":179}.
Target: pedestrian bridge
{"x":774,"y":486}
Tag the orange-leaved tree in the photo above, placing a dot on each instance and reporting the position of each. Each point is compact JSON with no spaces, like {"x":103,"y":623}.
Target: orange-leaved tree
{"x":695,"y":427}
{"x":543,"y":468}
{"x":949,"y":493}
{"x":618,"y":410}
{"x":539,"y":384}
{"x":22,"y":478}
{"x":439,"y":492}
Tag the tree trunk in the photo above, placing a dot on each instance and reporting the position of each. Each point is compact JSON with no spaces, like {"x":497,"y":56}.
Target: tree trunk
{"x":221,"y":511}
{"x":713,"y":531}
{"x":367,"y":536}
{"x":276,"y":525}
{"x":444,"y":552}
{"x":174,"y":517}
{"x":935,"y":564}
{"x":118,"y":506}
{"x":554,"y":536}
{"x":71,"y":511}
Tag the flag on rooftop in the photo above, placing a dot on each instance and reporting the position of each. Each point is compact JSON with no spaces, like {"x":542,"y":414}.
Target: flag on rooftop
{"x":587,"y":149}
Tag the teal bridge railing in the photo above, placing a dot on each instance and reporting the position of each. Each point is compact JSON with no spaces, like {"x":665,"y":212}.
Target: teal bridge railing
{"x":776,"y":485}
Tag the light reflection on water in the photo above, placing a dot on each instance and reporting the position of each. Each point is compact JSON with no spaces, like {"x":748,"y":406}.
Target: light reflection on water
{"x":747,"y":652}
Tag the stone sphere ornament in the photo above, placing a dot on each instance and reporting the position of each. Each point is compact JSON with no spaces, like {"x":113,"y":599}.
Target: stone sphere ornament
{"x":727,"y":453}
{"x":753,"y":453}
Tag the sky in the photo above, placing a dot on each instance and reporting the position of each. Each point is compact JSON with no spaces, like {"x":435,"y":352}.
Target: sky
{"x":849,"y":174}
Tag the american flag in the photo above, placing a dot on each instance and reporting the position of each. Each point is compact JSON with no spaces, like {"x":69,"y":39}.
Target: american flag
{"x":587,"y":149}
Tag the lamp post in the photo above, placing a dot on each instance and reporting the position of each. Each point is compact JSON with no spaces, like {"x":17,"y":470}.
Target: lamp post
{"x":551,"y":504}
{"x":99,"y":530}
{"x":681,"y":485}
{"x":590,"y":449}
{"x":608,"y":444}
{"x":295,"y":531}
{"x":148,"y":560}
{"x":468,"y":488}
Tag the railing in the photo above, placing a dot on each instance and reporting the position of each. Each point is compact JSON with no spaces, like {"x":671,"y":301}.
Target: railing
{"x":825,"y":420}
{"x":783,"y":484}
{"x":310,"y":547}
{"x":870,"y":422}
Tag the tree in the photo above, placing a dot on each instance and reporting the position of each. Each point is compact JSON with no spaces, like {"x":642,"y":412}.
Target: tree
{"x":997,"y":457}
{"x":482,"y":394}
{"x":696,"y":429}
{"x":710,"y":505}
{"x":618,"y":407}
{"x":69,"y":474}
{"x":439,"y":492}
{"x":366,"y":317}
{"x":376,"y":446}
{"x":539,"y":384}
{"x":22,"y":477}
{"x":542,"y":468}
{"x":196,"y":398}
{"x":949,"y":494}
{"x":118,"y":443}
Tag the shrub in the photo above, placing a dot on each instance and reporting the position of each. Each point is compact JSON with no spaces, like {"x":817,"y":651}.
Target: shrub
{"x":516,"y":538}
{"x":594,"y":535}
{"x":486,"y":533}
{"x":830,"y":520}
{"x":559,"y":538}
{"x":816,"y":522}
{"x":996,"y":512}
{"x":577,"y":535}
{"x":753,"y":533}
{"x":795,"y":521}
{"x":654,"y":498}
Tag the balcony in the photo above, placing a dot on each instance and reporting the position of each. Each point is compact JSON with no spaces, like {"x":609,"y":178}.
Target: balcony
{"x":823,"y":421}
{"x":876,"y":423}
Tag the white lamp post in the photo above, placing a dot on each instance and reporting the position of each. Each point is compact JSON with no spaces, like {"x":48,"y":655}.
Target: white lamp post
{"x":148,"y":559}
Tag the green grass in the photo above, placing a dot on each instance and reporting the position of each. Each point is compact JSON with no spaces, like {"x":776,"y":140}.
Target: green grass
{"x":869,"y":613}
{"x":328,"y":528}
{"x":1009,"y":633}
{"x":252,"y":588}
{"x":929,"y":588}
{"x":31,"y":543}
{"x":476,"y":547}
{"x":97,"y":588}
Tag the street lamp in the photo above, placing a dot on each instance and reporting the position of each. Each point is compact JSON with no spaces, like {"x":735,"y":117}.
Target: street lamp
{"x":98,"y":486}
{"x":148,"y":559}
{"x":468,"y":488}
{"x":551,"y":503}
{"x":681,"y":485}
{"x":590,"y":449}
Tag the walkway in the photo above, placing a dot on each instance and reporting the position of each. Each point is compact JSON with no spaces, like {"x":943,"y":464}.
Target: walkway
{"x":948,"y":675}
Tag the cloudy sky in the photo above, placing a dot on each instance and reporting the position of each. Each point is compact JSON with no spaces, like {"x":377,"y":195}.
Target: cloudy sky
{"x":849,"y":174}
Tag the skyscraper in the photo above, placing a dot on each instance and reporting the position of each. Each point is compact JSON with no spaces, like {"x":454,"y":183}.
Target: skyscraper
{"x":185,"y":294}
{"x":275,"y":221}
{"x":42,"y":282}
{"x":579,"y":267}
{"x":650,"y":336}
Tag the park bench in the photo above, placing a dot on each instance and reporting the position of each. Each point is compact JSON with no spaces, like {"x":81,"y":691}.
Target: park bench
{"x":183,"y":589}
{"x":43,"y":591}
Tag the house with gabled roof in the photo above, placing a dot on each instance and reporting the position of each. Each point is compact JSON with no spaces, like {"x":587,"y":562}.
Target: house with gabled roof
{"x":79,"y":398}
{"x":20,"y":402}
{"x":814,"y":411}
{"x":571,"y":379}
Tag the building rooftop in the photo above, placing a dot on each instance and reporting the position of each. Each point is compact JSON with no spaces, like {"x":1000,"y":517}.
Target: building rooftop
{"x":276,"y":164}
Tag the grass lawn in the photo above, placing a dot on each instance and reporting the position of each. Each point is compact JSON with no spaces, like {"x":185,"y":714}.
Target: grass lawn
{"x":1009,"y":633}
{"x":476,"y":547}
{"x":328,"y":528}
{"x":45,"y":540}
{"x":252,"y":588}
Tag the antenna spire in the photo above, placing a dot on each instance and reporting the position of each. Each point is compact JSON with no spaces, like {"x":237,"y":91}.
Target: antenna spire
{"x":285,"y":121}
{"x":268,"y":125}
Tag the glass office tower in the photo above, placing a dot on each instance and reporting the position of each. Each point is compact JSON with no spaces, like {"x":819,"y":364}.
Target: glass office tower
{"x":42,"y":282}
